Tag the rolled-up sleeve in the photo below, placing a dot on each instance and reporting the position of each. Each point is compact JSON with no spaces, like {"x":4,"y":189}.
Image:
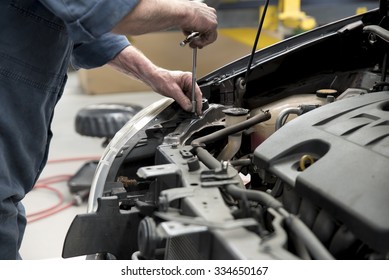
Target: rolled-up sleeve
{"x":98,"y":52}
{"x":88,"y":20}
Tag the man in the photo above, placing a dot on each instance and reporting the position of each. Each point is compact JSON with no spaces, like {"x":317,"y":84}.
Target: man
{"x":38,"y":39}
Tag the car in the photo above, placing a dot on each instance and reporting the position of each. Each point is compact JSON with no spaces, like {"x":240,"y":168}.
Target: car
{"x":289,"y":159}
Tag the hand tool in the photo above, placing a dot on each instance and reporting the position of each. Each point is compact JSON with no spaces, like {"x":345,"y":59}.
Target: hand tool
{"x":187,"y":40}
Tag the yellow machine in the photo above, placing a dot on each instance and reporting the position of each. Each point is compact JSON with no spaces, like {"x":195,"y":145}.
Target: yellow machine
{"x":283,"y":19}
{"x":291,"y":16}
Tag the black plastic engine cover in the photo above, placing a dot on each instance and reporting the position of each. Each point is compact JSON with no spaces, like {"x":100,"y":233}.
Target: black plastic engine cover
{"x":350,"y":178}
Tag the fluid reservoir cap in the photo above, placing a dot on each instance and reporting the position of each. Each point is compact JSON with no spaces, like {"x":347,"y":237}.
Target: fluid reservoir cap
{"x":236,"y":111}
{"x":193,"y":164}
{"x":323,"y":93}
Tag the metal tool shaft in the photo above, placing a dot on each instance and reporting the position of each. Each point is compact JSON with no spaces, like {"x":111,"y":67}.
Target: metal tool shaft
{"x":194,"y":67}
{"x":187,"y":40}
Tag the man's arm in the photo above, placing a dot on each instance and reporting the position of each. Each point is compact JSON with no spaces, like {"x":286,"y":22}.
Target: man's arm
{"x":154,"y":15}
{"x":88,"y":20}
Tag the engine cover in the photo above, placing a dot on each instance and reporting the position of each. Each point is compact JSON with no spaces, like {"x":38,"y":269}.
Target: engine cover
{"x":349,"y":142}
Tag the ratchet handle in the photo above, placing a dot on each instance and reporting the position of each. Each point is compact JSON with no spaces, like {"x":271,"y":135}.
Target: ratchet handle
{"x":189,"y":38}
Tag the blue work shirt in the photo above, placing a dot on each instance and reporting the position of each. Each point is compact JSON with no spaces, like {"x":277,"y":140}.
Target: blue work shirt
{"x":38,"y":39}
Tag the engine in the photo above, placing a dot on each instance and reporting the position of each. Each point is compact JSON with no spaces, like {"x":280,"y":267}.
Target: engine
{"x":330,"y":169}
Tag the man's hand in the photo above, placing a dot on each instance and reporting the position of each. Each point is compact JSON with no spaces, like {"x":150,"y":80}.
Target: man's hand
{"x":174,"y":84}
{"x":177,"y":85}
{"x":202,"y":19}
{"x":157,"y":15}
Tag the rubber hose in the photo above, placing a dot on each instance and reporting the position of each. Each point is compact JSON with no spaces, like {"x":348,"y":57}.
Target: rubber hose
{"x":231,"y":130}
{"x":314,"y":246}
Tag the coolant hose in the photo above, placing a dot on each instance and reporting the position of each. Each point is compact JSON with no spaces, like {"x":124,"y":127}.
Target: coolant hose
{"x":284,"y":114}
{"x":313,"y":245}
{"x":222,"y":133}
{"x":263,"y":198}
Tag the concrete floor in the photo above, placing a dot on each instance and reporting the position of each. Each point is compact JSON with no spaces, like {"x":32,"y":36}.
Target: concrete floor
{"x":44,"y":238}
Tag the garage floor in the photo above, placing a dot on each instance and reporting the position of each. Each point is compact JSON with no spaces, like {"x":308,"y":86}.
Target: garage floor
{"x":69,"y":151}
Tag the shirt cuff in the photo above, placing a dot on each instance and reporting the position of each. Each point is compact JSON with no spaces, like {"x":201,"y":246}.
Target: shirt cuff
{"x":98,"y":52}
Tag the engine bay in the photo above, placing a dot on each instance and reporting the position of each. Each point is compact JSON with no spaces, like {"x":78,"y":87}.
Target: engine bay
{"x":288,"y":162}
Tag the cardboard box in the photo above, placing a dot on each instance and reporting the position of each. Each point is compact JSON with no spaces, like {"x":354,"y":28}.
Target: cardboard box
{"x":163,"y":49}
